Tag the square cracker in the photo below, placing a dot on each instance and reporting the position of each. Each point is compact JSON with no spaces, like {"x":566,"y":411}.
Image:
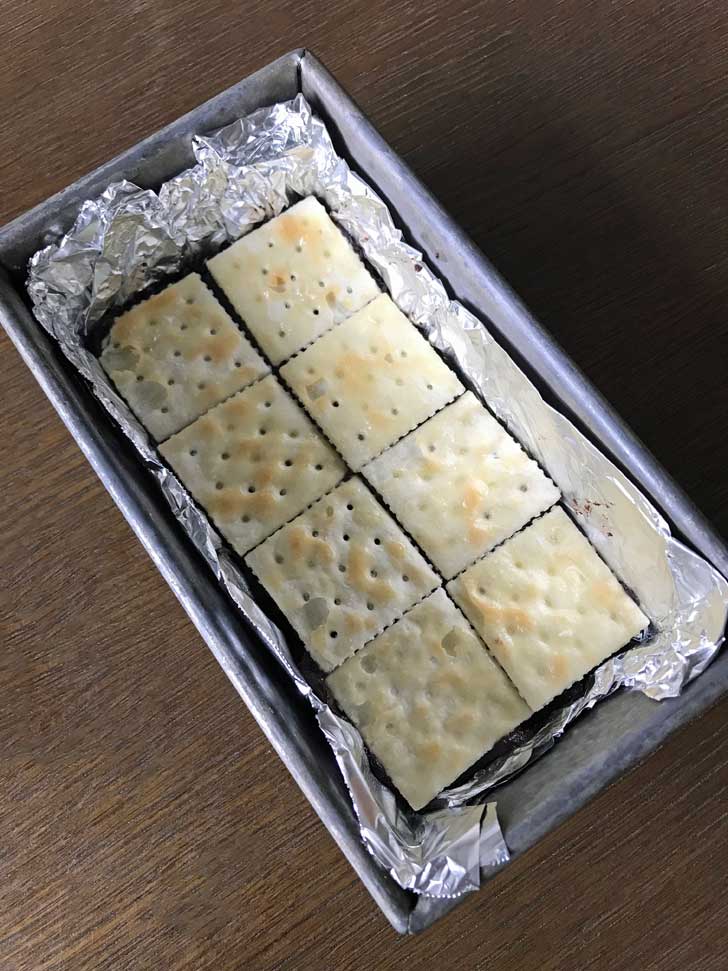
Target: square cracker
{"x":371,"y":380}
{"x":428,"y":698}
{"x":177,"y":354}
{"x":293,"y":278}
{"x":341,"y":572}
{"x":548,"y":607}
{"x":253,"y":463}
{"x":460,"y":484}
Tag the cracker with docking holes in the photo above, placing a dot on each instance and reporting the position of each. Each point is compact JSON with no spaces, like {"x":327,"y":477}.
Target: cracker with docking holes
{"x":293,"y":278}
{"x":548,"y":607}
{"x":460,"y":484}
{"x":341,"y":572}
{"x":371,"y":380}
{"x":177,"y":354}
{"x":428,"y":698}
{"x":253,"y":463}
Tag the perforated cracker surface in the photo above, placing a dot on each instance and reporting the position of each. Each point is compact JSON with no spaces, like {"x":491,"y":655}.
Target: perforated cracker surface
{"x":177,"y":354}
{"x":293,"y":278}
{"x":460,"y":484}
{"x":341,"y":572}
{"x":427,"y":698}
{"x":254,"y":462}
{"x":548,"y":607}
{"x":370,"y":380}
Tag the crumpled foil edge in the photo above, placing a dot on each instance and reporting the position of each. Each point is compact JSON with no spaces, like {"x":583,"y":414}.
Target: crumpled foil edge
{"x":129,"y":239}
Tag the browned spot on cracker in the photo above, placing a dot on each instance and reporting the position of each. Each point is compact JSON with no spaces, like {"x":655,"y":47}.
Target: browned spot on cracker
{"x":226,"y":505}
{"x":236,"y":408}
{"x":498,"y":614}
{"x":277,"y":282}
{"x":290,"y":229}
{"x":359,"y":573}
{"x":207,"y":429}
{"x":262,"y":503}
{"x":460,"y":723}
{"x":430,"y":465}
{"x":396,"y":551}
{"x":380,"y":419}
{"x":558,"y":669}
{"x":606,"y":593}
{"x":220,"y":347}
{"x":352,"y":623}
{"x":356,"y":368}
{"x":125,"y":327}
{"x":472,"y":497}
{"x":163,"y":301}
{"x":304,"y":545}
{"x":264,"y":474}
{"x":472,"y":504}
{"x":428,"y":751}
{"x":239,"y":448}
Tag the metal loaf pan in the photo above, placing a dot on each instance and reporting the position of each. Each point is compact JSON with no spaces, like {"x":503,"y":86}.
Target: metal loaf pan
{"x":616,"y":735}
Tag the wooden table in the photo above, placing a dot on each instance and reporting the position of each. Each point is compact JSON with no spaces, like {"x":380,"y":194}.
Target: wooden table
{"x":144,"y":821}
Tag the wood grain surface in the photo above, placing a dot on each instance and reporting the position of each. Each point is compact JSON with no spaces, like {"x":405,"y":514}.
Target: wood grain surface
{"x":144,"y":821}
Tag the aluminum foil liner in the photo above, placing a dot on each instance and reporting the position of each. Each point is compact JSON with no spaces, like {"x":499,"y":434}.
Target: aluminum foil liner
{"x":129,"y":239}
